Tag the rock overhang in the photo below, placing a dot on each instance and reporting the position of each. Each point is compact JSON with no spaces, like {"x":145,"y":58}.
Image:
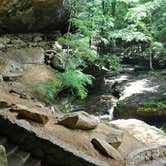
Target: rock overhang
{"x":31,"y":16}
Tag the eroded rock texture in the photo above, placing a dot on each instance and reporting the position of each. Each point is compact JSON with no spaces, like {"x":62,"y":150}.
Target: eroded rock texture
{"x":30,"y":15}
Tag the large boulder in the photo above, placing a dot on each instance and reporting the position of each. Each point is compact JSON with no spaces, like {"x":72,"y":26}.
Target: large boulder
{"x":30,"y":15}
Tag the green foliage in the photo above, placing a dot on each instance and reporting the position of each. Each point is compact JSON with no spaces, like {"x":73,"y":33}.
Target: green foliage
{"x":78,"y":47}
{"x":101,"y":32}
{"x":105,"y":121}
{"x":153,"y":73}
{"x":64,"y":108}
{"x":76,"y":81}
{"x":119,"y":102}
{"x":49,"y":90}
{"x":138,"y":26}
{"x":109,"y":62}
{"x":93,"y":22}
{"x":129,"y":34}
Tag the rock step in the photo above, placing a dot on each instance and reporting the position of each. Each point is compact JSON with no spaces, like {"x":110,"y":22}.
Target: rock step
{"x":33,"y":162}
{"x":18,"y":158}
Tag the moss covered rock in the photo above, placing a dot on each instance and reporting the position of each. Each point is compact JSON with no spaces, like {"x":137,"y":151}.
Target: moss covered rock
{"x":148,"y":114}
{"x":30,"y":15}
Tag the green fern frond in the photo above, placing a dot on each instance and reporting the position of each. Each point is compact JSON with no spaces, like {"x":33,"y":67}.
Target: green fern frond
{"x":75,"y":80}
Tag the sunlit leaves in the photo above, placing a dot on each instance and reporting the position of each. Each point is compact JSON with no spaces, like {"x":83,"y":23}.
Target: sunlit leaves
{"x":129,"y":35}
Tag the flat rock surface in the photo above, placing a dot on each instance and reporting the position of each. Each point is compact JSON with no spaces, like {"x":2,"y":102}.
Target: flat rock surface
{"x":150,"y":148}
{"x":141,"y":131}
{"x":138,"y":88}
{"x":77,"y":141}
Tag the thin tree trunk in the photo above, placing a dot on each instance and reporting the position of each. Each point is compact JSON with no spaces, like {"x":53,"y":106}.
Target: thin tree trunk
{"x":114,"y":8}
{"x":151,"y":60}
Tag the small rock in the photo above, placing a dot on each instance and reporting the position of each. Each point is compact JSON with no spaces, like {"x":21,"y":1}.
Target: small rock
{"x":4,"y":104}
{"x":18,"y":43}
{"x":2,"y":46}
{"x":3,"y":157}
{"x":37,"y":38}
{"x":57,"y":46}
{"x":11,"y":77}
{"x":30,"y":113}
{"x":106,"y":148}
{"x":57,"y":62}
{"x":4,"y":39}
{"x":79,"y":120}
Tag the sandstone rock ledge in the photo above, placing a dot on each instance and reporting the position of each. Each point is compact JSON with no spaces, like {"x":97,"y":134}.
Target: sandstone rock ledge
{"x":153,"y":151}
{"x":55,"y":144}
{"x":30,"y":15}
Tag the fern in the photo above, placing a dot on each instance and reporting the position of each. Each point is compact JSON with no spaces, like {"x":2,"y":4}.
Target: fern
{"x":49,"y":90}
{"x":76,"y":81}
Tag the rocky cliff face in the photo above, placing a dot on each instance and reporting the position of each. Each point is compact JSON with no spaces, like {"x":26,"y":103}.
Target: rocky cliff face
{"x":30,"y":15}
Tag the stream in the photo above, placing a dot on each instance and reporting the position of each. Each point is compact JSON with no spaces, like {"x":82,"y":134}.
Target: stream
{"x":131,"y":89}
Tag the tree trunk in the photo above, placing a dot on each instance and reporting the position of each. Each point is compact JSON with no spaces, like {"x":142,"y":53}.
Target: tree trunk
{"x":113,"y":8}
{"x":151,"y":60}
